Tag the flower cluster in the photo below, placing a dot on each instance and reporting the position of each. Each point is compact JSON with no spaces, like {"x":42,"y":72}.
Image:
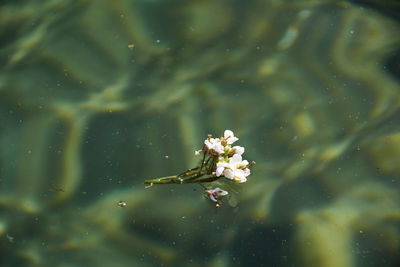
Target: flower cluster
{"x":229,"y":159}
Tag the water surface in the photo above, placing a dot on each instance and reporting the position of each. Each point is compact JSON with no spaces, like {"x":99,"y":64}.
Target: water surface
{"x":97,"y":96}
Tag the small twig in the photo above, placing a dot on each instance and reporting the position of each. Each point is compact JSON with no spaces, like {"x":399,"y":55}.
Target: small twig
{"x":148,"y":186}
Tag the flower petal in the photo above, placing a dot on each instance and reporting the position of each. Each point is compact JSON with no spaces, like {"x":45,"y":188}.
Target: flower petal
{"x":212,"y":197}
{"x":244,"y":163}
{"x":232,"y":140}
{"x":228,"y":173}
{"x":236,"y":158}
{"x":239,"y":176}
{"x":229,"y":137}
{"x":221,"y":192}
{"x":208,"y":144}
{"x":228,"y":133}
{"x":238,"y":150}
{"x":219,"y":148}
{"x":219,"y":171}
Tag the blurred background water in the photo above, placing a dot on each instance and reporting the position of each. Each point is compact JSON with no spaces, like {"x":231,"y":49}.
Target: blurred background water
{"x":96,"y":96}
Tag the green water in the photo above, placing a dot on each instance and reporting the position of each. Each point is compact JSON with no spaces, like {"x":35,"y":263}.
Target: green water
{"x":97,"y":96}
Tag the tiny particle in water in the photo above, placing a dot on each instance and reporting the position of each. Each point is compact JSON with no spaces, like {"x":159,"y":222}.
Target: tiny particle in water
{"x":131,"y":46}
{"x":158,"y":41}
{"x":56,"y":189}
{"x":122,"y":204}
{"x":10,"y":238}
{"x":18,"y":105}
{"x":166,"y":156}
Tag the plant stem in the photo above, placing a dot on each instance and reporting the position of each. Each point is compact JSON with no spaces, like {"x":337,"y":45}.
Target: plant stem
{"x":193,"y":175}
{"x":175,"y":179}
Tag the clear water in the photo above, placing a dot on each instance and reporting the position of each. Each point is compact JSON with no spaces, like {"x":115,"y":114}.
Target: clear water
{"x":97,"y":96}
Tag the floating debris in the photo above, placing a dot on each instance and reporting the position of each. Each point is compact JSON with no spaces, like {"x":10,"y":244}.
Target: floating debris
{"x":56,"y":189}
{"x":122,"y":204}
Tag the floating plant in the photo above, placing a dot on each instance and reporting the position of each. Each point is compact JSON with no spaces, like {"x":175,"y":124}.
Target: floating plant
{"x":220,"y":161}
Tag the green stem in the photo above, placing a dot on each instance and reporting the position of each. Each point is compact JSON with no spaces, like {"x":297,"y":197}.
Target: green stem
{"x":202,"y":162}
{"x":175,"y":179}
{"x":193,"y":175}
{"x":188,"y":171}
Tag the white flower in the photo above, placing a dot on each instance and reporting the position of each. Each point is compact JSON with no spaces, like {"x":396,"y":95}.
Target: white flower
{"x":213,"y":194}
{"x":236,"y":169}
{"x":214,"y":144}
{"x":229,"y":137}
{"x":236,"y":162}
